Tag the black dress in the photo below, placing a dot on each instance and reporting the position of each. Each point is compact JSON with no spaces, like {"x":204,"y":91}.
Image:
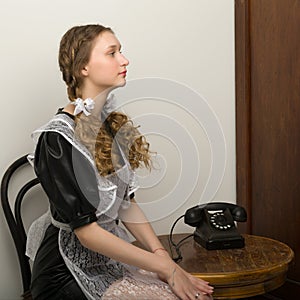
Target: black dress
{"x":51,"y":279}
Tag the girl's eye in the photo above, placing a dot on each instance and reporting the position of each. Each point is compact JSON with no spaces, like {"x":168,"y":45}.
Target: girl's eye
{"x":112,"y":53}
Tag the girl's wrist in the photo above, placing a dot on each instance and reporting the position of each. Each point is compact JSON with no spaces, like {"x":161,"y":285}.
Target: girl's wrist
{"x":159,"y":249}
{"x":166,"y":267}
{"x":161,"y":252}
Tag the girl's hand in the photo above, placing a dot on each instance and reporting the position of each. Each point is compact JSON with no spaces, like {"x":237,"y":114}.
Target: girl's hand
{"x":183,"y":284}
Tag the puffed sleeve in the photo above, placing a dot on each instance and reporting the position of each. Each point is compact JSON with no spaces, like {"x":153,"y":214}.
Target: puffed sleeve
{"x":68,"y":179}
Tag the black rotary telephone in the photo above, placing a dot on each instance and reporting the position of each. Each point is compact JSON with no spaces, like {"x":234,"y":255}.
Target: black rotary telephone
{"x":215,"y":227}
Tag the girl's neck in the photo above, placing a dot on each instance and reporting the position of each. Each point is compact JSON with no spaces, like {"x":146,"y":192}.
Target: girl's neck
{"x":99,"y":96}
{"x":99,"y":99}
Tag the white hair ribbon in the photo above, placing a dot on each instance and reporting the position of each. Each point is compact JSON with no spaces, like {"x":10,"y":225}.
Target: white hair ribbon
{"x":85,"y":106}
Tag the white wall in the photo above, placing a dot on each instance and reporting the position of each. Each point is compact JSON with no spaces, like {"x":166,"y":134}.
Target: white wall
{"x":189,"y":43}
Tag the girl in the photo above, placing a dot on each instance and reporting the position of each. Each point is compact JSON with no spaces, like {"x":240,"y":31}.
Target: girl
{"x":85,"y":159}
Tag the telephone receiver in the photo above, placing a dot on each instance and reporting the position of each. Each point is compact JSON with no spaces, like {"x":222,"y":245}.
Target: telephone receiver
{"x":215,"y":227}
{"x":194,"y":215}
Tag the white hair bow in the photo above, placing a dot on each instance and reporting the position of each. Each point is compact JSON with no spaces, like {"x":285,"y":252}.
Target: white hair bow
{"x":85,"y":106}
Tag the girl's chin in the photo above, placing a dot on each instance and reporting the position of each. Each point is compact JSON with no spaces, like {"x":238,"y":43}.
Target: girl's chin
{"x":118,"y":84}
{"x":121,"y":83}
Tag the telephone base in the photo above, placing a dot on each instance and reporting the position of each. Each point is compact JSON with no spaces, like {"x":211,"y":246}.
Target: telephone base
{"x":219,"y":244}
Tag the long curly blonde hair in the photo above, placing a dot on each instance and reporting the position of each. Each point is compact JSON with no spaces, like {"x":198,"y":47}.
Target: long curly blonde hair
{"x":102,"y":138}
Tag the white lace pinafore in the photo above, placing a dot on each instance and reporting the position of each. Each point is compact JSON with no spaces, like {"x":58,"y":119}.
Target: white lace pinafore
{"x":98,"y":276}
{"x":95,"y":272}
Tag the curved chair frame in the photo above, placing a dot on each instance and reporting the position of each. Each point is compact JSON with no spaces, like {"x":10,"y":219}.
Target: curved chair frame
{"x":14,"y":220}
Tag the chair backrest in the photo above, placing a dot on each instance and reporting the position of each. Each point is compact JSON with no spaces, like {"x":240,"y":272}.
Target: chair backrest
{"x":14,"y":219}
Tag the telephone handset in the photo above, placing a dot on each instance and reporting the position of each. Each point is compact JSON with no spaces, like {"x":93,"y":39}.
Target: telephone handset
{"x":215,"y":227}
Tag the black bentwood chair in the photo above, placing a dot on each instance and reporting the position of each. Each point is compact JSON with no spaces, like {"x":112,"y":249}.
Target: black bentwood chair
{"x":14,"y":219}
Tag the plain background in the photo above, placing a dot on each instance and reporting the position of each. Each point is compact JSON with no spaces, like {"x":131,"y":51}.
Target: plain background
{"x":189,"y":42}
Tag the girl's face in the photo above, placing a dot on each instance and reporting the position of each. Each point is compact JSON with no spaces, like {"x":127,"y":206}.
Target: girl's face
{"x":106,"y":68}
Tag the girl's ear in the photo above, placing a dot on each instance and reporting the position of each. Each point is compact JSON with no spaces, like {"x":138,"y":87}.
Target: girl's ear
{"x":84,"y":71}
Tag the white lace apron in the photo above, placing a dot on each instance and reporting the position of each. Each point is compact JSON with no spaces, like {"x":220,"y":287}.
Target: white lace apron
{"x":94,"y":272}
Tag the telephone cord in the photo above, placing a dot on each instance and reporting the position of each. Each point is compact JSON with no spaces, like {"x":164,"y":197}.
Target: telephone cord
{"x":176,"y":246}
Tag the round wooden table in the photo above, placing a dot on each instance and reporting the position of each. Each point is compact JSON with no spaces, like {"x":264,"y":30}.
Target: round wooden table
{"x":256,"y":269}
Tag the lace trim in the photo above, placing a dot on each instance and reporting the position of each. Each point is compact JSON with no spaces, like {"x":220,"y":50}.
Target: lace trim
{"x":94,"y":272}
{"x":36,"y":234}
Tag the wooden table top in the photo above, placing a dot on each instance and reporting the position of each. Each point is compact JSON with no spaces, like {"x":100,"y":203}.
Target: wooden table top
{"x":256,"y":269}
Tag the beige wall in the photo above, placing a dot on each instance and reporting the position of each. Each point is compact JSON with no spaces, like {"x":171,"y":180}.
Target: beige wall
{"x":190,"y":123}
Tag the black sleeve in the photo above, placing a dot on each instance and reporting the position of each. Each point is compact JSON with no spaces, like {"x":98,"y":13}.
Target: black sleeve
{"x":68,"y":179}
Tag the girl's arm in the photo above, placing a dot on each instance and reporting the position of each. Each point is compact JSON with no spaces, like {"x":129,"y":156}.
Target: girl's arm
{"x":97,"y":239}
{"x":137,"y":224}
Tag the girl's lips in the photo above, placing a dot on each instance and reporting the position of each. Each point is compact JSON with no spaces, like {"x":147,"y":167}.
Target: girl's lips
{"x":123,"y":73}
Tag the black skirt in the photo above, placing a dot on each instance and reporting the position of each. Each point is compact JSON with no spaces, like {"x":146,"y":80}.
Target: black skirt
{"x":51,"y":279}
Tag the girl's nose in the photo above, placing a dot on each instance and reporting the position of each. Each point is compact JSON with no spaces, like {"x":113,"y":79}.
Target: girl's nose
{"x":124,"y":60}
